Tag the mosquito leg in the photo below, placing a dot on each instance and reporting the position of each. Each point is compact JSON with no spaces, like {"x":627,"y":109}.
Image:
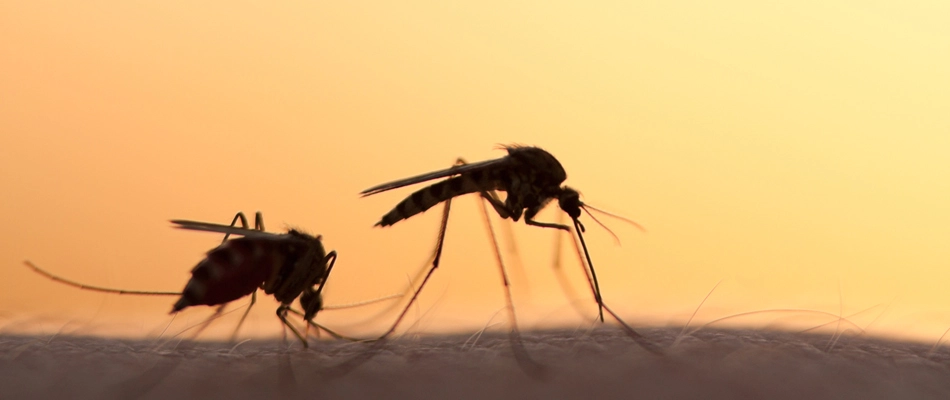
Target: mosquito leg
{"x":329,"y":261}
{"x":491,"y":195}
{"x":243,"y":317}
{"x":531,"y":221}
{"x":323,"y":328}
{"x":600,"y":302}
{"x":237,"y":217}
{"x":83,"y":286}
{"x":207,"y":322}
{"x":282,"y":314}
{"x":500,"y":207}
{"x":579,"y":228}
{"x":259,"y":221}
{"x":379,"y":343}
{"x":521,"y":354}
{"x":435,"y":259}
{"x":311,"y":309}
{"x":435,"y":265}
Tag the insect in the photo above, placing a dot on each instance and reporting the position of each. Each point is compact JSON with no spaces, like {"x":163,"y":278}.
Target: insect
{"x":532,"y":178}
{"x":288,"y":266}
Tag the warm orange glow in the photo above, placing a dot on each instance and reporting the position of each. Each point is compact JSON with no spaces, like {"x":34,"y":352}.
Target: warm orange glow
{"x":797,"y":152}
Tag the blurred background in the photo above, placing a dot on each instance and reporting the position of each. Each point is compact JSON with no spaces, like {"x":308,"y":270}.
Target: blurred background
{"x":794,"y":154}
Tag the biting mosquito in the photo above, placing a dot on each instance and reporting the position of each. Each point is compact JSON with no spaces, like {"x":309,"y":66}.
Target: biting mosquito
{"x":532,"y":178}
{"x":288,"y":266}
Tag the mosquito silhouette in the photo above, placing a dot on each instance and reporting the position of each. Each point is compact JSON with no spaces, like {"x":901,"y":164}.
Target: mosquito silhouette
{"x":288,"y":266}
{"x":532,"y":178}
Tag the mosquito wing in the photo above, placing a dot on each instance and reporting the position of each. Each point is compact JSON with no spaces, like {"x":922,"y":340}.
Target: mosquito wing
{"x":455,"y":170}
{"x":211,"y":227}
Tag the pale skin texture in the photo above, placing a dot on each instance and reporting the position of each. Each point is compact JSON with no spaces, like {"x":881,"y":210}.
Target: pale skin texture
{"x":604,"y":363}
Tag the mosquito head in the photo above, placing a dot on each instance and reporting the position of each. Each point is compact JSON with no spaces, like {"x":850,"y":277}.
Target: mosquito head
{"x":570,"y":201}
{"x":311,"y":302}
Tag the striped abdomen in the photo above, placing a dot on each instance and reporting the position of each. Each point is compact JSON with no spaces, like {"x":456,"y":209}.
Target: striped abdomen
{"x":230,"y":271}
{"x":425,"y":198}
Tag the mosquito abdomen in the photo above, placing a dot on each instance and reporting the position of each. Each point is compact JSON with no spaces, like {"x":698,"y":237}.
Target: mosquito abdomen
{"x":230,"y":271}
{"x":423,"y":199}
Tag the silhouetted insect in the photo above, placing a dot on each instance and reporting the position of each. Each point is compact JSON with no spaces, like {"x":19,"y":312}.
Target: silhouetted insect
{"x":288,"y":266}
{"x":531,"y":177}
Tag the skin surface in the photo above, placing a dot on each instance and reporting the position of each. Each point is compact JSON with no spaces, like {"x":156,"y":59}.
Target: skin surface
{"x":603,"y":363}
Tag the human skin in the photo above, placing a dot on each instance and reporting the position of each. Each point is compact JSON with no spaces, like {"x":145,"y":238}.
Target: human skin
{"x":603,"y":363}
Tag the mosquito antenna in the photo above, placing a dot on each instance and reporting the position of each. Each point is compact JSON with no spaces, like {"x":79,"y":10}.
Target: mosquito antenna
{"x":624,"y":219}
{"x":96,"y":288}
{"x":616,"y":239}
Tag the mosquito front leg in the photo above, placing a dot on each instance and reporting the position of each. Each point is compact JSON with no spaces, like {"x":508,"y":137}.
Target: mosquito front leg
{"x":328,"y":330}
{"x":282,"y":314}
{"x":310,"y":299}
{"x":532,"y":222}
{"x":328,"y":261}
{"x":218,"y":312}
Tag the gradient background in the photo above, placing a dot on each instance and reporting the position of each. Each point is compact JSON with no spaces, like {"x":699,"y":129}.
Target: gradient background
{"x":796,"y":152}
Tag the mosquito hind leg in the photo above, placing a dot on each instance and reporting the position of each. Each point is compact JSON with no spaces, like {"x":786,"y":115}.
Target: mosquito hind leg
{"x":258,"y":222}
{"x":436,"y":258}
{"x":435,"y":264}
{"x":218,"y":312}
{"x":237,"y":217}
{"x":84,"y":286}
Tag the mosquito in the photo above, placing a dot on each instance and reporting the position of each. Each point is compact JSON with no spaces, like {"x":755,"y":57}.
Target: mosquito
{"x":532,"y":178}
{"x":288,"y":266}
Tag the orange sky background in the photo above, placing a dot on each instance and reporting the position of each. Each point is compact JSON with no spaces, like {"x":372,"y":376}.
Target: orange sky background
{"x":797,"y":152}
